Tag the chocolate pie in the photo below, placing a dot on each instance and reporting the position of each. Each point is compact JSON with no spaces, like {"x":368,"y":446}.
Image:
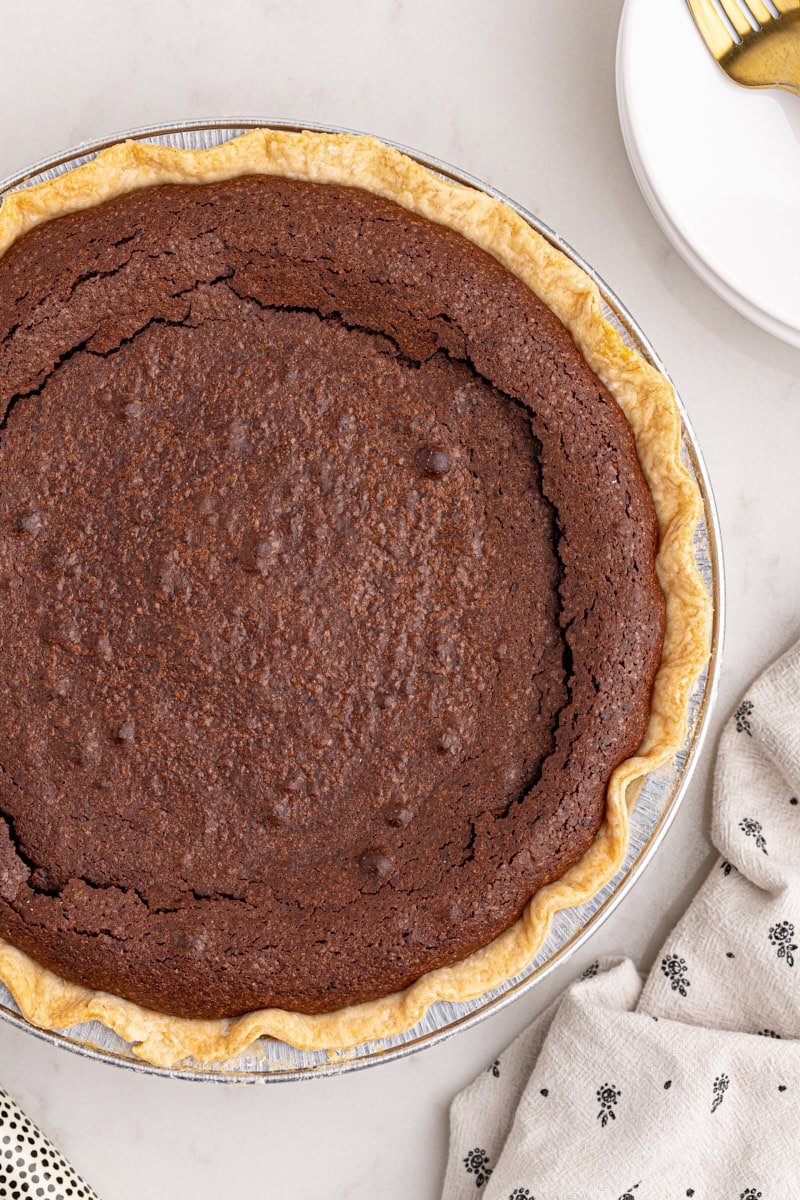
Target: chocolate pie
{"x":332,"y":609}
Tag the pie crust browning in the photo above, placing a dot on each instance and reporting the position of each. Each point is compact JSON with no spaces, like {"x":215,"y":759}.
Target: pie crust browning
{"x":648,"y":402}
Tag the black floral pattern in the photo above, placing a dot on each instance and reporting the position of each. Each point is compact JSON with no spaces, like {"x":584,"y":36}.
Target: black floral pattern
{"x":629,"y":1194}
{"x":726,"y":867}
{"x":607,"y":1097}
{"x":768,"y":1033}
{"x":591,"y":971}
{"x":494,"y":1069}
{"x":521,"y":1194}
{"x":781,"y":937}
{"x":477,"y":1164}
{"x":750,"y":1194}
{"x":674,"y":968}
{"x":742,"y":717}
{"x":721,"y":1084}
{"x":751,"y":828}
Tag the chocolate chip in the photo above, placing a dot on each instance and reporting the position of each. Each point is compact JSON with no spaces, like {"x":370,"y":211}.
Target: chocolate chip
{"x":30,"y":522}
{"x":66,"y":635}
{"x":259,"y":553}
{"x":446,"y":650}
{"x":375,"y":862}
{"x":90,"y":753}
{"x":434,"y":461}
{"x":398,"y":818}
{"x":282,"y":812}
{"x":448,"y":743}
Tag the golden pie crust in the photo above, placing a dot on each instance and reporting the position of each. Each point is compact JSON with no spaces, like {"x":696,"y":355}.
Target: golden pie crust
{"x":647,"y":400}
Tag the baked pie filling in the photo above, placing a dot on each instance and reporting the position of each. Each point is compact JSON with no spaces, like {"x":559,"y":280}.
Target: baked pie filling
{"x":328,"y":598}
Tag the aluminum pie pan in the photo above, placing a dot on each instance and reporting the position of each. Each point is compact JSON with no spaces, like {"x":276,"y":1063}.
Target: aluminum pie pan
{"x":661,"y":793}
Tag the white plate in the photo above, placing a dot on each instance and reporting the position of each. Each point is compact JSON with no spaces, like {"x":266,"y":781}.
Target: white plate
{"x":718,"y":164}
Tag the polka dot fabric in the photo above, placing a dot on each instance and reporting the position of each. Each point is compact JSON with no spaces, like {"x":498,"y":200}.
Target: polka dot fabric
{"x":30,"y":1166}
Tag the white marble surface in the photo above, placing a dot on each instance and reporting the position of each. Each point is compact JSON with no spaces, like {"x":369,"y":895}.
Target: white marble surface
{"x":520,"y":93}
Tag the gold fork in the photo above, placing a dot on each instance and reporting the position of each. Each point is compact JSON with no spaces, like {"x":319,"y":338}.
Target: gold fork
{"x":765,"y":56}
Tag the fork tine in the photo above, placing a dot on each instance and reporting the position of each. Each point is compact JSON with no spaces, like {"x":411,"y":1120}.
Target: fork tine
{"x":760,"y":12}
{"x":736,"y":17}
{"x":712,"y":27}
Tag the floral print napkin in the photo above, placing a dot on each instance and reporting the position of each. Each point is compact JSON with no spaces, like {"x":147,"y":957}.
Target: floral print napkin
{"x":686,"y":1085}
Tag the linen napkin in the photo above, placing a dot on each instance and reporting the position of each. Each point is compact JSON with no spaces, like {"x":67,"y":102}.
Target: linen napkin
{"x":687,"y":1084}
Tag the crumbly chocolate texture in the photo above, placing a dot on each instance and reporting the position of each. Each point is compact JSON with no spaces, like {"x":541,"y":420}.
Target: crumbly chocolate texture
{"x":327,"y":597}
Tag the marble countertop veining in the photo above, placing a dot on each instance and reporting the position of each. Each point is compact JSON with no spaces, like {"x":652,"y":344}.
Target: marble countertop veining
{"x":521,"y":94}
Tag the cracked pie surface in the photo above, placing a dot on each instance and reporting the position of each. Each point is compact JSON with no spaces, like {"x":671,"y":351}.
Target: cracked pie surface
{"x":332,"y":604}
